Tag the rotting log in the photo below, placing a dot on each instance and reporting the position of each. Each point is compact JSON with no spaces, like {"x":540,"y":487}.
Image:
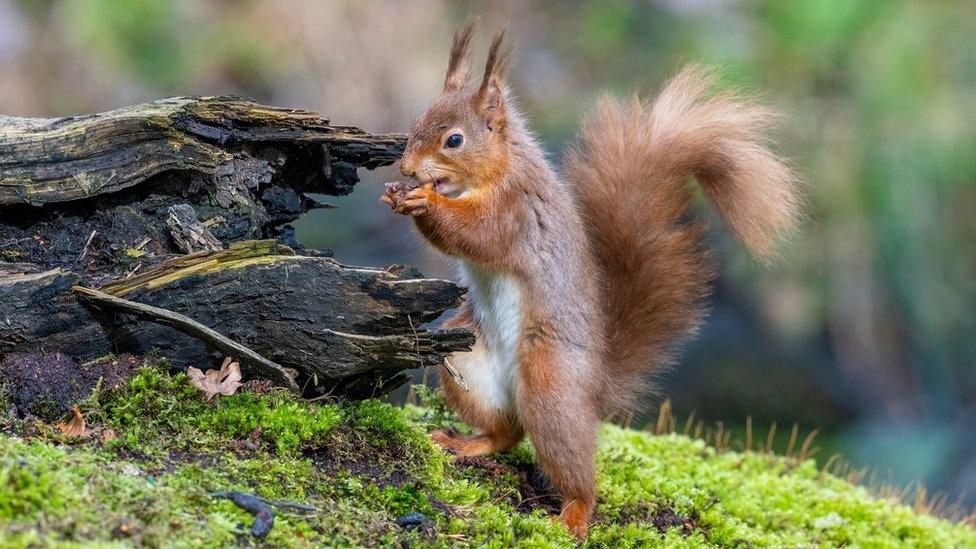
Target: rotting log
{"x":332,"y":323}
{"x":166,"y":204}
{"x":106,"y":194}
{"x":44,"y":161}
{"x":186,"y":325}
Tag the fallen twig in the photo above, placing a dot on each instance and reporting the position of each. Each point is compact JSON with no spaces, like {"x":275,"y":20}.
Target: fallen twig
{"x":456,"y":375}
{"x":264,"y":515}
{"x":142,"y":243}
{"x":294,"y":505}
{"x":254,"y":361}
{"x":84,"y":251}
{"x":10,"y":243}
{"x":458,"y":378}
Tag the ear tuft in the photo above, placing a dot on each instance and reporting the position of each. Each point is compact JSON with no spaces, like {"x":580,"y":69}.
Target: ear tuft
{"x":499,"y":57}
{"x":458,"y":67}
{"x":490,"y":99}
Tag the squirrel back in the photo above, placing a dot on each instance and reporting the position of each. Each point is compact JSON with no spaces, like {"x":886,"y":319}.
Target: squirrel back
{"x":630,"y":171}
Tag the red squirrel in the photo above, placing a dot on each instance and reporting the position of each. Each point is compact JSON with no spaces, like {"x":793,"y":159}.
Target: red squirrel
{"x":583,"y":280}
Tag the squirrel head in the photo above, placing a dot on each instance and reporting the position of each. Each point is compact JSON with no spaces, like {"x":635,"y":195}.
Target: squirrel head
{"x":461,"y":141}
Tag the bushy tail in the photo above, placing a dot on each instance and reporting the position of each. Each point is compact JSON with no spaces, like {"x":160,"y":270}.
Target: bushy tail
{"x":631,"y":170}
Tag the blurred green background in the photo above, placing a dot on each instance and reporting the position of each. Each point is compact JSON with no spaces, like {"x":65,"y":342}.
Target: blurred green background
{"x":866,"y":329}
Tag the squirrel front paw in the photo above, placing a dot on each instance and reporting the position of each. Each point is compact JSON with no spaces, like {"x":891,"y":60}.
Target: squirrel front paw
{"x":416,"y":202}
{"x":393,"y":194}
{"x":407,"y":200}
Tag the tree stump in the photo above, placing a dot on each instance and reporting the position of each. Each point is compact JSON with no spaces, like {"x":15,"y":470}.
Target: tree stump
{"x":183,"y":204}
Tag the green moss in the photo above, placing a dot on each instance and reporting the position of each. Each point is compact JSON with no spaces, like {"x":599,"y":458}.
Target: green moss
{"x":362,"y":465}
{"x":5,"y":402}
{"x":155,"y":402}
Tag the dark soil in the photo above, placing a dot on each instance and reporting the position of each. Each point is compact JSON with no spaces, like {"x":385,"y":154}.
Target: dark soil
{"x":663,"y":517}
{"x":365,"y":461}
{"x":47,"y":385}
{"x":535,"y":490}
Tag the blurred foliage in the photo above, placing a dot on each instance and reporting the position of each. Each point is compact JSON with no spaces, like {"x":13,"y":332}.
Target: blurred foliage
{"x":866,"y":328}
{"x":164,"y":46}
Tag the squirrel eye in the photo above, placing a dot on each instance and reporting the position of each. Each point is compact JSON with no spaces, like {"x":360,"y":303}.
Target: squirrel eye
{"x":454,"y":141}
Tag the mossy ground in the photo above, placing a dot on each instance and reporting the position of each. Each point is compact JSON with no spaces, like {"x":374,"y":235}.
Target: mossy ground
{"x":363,"y":465}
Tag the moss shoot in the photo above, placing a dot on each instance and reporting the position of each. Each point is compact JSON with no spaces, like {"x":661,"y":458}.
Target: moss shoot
{"x":156,"y":451}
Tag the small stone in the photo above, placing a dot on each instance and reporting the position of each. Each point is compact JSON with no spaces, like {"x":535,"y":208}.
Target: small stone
{"x":131,"y":470}
{"x":417,"y":521}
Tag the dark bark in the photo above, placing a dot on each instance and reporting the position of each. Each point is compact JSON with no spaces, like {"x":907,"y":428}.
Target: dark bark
{"x":164,"y":317}
{"x":115,"y":200}
{"x":308,"y":313}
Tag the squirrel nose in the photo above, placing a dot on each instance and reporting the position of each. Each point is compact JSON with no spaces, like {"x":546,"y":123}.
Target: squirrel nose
{"x":407,"y":170}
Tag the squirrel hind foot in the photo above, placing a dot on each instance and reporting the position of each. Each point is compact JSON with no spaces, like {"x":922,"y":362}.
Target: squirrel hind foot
{"x":470,"y":446}
{"x":575,"y":516}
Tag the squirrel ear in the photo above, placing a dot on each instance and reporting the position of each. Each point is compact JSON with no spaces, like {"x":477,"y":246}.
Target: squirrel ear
{"x":458,"y":67}
{"x":490,"y":104}
{"x":490,"y":99}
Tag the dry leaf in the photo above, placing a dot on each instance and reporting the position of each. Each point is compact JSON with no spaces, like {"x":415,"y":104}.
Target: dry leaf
{"x":224,"y":381}
{"x":75,"y":427}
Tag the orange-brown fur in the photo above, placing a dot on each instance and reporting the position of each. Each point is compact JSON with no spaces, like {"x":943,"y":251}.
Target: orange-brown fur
{"x":597,"y":279}
{"x":630,"y":171}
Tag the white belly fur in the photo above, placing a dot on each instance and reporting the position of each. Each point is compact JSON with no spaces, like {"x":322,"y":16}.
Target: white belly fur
{"x":490,"y":371}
